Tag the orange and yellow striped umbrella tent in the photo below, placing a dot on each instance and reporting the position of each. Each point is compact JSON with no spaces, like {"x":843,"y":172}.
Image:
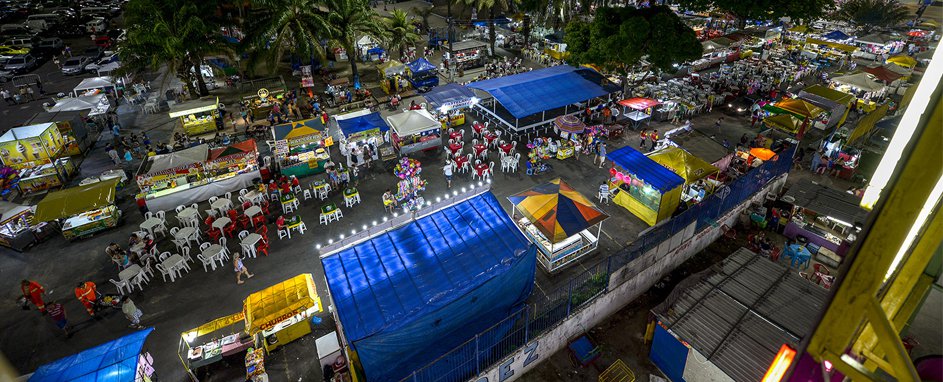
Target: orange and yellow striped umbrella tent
{"x":557,"y":210}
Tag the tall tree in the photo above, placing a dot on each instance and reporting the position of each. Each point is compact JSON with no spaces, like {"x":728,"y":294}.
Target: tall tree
{"x":281,"y":27}
{"x":175,"y":33}
{"x":870,"y":14}
{"x":744,"y":10}
{"x":619,"y":38}
{"x":350,"y":20}
{"x":399,"y":31}
{"x":492,"y":6}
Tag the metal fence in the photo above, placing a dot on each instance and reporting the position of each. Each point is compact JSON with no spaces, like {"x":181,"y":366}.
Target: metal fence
{"x":509,"y":335}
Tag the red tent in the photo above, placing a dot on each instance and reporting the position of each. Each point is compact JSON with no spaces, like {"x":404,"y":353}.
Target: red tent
{"x":639,"y":103}
{"x":882,"y":73}
{"x":243,"y":147}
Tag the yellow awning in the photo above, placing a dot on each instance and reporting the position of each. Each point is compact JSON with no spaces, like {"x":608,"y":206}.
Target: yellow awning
{"x":799,"y":29}
{"x":829,"y":94}
{"x":266,"y":308}
{"x":73,"y":201}
{"x":902,"y":60}
{"x":212,"y":326}
{"x":683,"y":163}
{"x":785,"y":122}
{"x":799,"y":107}
{"x":834,"y":45}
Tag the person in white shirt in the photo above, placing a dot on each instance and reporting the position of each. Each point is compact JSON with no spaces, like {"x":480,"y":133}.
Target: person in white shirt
{"x":448,"y":169}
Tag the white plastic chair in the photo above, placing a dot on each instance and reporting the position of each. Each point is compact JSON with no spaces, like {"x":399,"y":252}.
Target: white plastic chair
{"x":204,"y":246}
{"x":121,"y":285}
{"x":163,"y":256}
{"x":228,"y":195}
{"x":162,"y":215}
{"x":148,"y":215}
{"x":213,"y":199}
{"x":180,"y":208}
{"x":164,"y":272}
{"x":603,"y":196}
{"x":206,"y":262}
{"x":243,"y":192}
{"x":185,"y":252}
{"x":243,"y":234}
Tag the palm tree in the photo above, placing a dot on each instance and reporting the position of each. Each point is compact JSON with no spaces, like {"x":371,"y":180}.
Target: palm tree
{"x":491,"y":6}
{"x":173,"y":33}
{"x":870,"y":14}
{"x":282,"y":27}
{"x":424,"y":13}
{"x":399,"y":31}
{"x":350,"y":20}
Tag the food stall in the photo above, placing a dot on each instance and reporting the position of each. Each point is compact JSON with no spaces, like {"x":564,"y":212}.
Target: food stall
{"x":72,"y":126}
{"x":196,"y":174}
{"x":15,"y":231}
{"x":391,"y":76}
{"x":121,"y":360}
{"x":828,"y":220}
{"x":261,"y":103}
{"x":559,"y":221}
{"x":695,"y":172}
{"x":369,"y":49}
{"x":449,"y":102}
{"x":197,"y":117}
{"x":469,"y":53}
{"x":806,"y":112}
{"x":302,"y":148}
{"x":82,"y":210}
{"x":362,"y":126}
{"x":814,"y":48}
{"x":903,"y":61}
{"x":645,"y":188}
{"x":36,"y":152}
{"x":282,"y":313}
{"x":422,"y":73}
{"x":97,"y":106}
{"x":413,"y":131}
{"x":96,"y":85}
{"x":837,"y":104}
{"x":203,"y":347}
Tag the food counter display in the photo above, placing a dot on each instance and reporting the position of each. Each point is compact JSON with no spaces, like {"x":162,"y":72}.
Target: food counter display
{"x":414,"y":130}
{"x":449,"y":102}
{"x":197,"y":117}
{"x":46,"y":177}
{"x":282,"y":313}
{"x":89,"y":222}
{"x":647,"y":189}
{"x":305,"y":163}
{"x":824,"y":218}
{"x":15,"y":231}
{"x":469,"y":53}
{"x":261,"y":103}
{"x":301,"y":148}
{"x":205,"y":346}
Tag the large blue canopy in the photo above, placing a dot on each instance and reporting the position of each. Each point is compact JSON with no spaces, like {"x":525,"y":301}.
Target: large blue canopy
{"x":836,"y":35}
{"x":540,"y":90}
{"x":420,"y":65}
{"x":114,"y":361}
{"x":355,"y":125}
{"x":451,"y":95}
{"x":409,"y":295}
{"x":653,"y":173}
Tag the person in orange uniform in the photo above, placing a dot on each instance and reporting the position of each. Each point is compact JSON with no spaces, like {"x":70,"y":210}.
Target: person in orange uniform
{"x":87,"y":294}
{"x":34,"y":293}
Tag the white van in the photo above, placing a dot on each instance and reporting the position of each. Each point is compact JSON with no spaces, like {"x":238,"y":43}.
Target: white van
{"x":42,"y":22}
{"x":96,"y":25}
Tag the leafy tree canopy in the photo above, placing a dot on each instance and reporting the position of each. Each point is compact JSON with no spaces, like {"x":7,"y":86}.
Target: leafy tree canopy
{"x":621,"y":37}
{"x":761,"y":9}
{"x":870,"y":14}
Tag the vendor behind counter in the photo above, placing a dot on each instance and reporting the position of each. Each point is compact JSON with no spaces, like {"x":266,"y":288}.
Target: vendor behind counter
{"x":823,"y":217}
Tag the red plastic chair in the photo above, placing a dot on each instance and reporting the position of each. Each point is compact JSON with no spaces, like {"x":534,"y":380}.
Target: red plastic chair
{"x":264,"y":208}
{"x":259,"y":220}
{"x":230,"y":229}
{"x":244,"y":222}
{"x":262,"y":230}
{"x":209,"y":221}
{"x":246,"y":205}
{"x":233,"y":215}
{"x":263,"y":246}
{"x":214,"y":234}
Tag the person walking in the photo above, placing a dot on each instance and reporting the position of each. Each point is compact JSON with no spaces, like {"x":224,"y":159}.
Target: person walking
{"x":601,"y":154}
{"x":39,"y":85}
{"x":7,"y":97}
{"x":717,"y":124}
{"x":33,"y":292}
{"x":87,"y":293}
{"x":240,"y":269}
{"x":58,"y":316}
{"x":816,"y":161}
{"x":643,"y":136}
{"x":655,"y":138}
{"x":30,"y":93}
{"x":389,"y":203}
{"x":132,"y":313}
{"x":448,"y":169}
{"x":113,"y":154}
{"x":128,"y":157}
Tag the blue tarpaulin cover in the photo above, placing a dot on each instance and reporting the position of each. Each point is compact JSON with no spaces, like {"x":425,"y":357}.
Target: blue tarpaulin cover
{"x":532,"y":92}
{"x":836,"y":35}
{"x":654,"y":174}
{"x":362,"y":123}
{"x":420,"y":65}
{"x":448,"y":94}
{"x":407,"y":296}
{"x":377,"y":50}
{"x":669,"y":354}
{"x":114,"y":361}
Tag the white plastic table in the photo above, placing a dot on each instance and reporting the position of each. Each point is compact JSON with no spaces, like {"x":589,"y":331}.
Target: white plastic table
{"x":130,"y":272}
{"x":221,"y":204}
{"x":221,"y":223}
{"x":249,"y":242}
{"x":173,"y":264}
{"x":149,"y":225}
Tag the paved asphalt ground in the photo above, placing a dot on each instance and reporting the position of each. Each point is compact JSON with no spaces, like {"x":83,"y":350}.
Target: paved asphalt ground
{"x":29,"y":340}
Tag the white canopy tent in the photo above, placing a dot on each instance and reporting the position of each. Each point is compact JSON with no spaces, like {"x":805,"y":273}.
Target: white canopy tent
{"x":412,"y":122}
{"x":95,"y":83}
{"x":861,"y":81}
{"x":96,"y":104}
{"x":185,"y":157}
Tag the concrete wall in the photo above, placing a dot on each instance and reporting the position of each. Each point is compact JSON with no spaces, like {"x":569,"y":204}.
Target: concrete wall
{"x":625,"y":285}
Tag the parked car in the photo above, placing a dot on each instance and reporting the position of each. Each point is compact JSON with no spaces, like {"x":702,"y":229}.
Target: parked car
{"x":740,"y":106}
{"x":10,"y":51}
{"x":75,"y":65}
{"x":102,"y":62}
{"x":94,"y":53}
{"x":6,"y":76}
{"x":54,"y":44}
{"x":103,"y":42}
{"x":21,"y":63}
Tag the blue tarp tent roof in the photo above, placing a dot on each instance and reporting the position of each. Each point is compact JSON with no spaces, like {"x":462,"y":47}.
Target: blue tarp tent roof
{"x":409,"y":295}
{"x":114,"y":361}
{"x":532,"y":92}
{"x":377,"y":50}
{"x":656,"y":175}
{"x":836,"y":35}
{"x":420,"y":65}
{"x":448,"y":94}
{"x":362,"y":123}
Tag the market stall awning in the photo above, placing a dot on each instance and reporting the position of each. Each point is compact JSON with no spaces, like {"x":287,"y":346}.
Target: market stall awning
{"x":882,"y":73}
{"x":875,"y":39}
{"x":103,"y":82}
{"x":10,"y":210}
{"x":683,"y":163}
{"x":24,"y":132}
{"x":830,"y":94}
{"x":75,"y":200}
{"x":639,"y":103}
{"x":412,"y":122}
{"x":246,"y":146}
{"x":925,"y":55}
{"x":836,"y":35}
{"x":176,"y":159}
{"x":420,"y":65}
{"x":213,"y":326}
{"x":799,"y":107}
{"x":862,"y":81}
{"x":95,"y":103}
{"x":113,"y":361}
{"x":798,"y":29}
{"x":902,"y":60}
{"x":569,"y":123}
{"x":267,"y":307}
{"x":193,"y":107}
{"x":827,"y":201}
{"x":298,"y":129}
{"x":545,"y":89}
{"x":350,"y":126}
{"x":785,"y":122}
{"x":762,"y":153}
{"x":391,"y":68}
{"x":450,"y":96}
{"x":653,"y":173}
{"x":557,"y":210}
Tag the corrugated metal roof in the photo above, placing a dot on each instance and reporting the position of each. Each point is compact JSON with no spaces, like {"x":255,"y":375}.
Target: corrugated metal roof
{"x":741,"y":311}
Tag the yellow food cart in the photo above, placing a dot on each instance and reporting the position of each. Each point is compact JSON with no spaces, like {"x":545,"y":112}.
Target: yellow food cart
{"x":82,"y":210}
{"x":642,"y":186}
{"x":281,"y":313}
{"x":35,"y":151}
{"x":197,"y":117}
{"x":692,"y":169}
